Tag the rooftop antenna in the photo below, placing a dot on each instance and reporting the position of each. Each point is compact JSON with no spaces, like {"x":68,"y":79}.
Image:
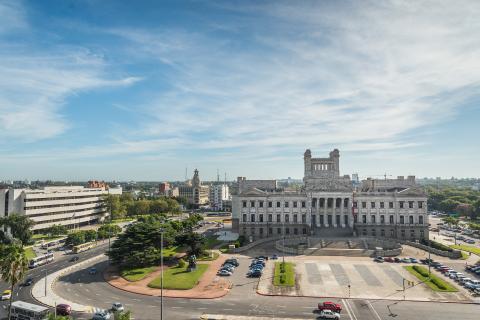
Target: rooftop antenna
{"x":218,"y":176}
{"x":186,"y":176}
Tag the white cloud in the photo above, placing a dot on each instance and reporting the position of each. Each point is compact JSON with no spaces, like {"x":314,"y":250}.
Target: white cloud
{"x":363,"y":76}
{"x":13,"y":16}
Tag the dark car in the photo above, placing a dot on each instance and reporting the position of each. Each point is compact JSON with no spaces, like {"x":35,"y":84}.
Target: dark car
{"x":397,"y":260}
{"x":28,"y":282}
{"x":74,"y":258}
{"x":64,"y":309}
{"x":254,"y":274}
{"x":233,"y":262}
{"x":388,"y":259}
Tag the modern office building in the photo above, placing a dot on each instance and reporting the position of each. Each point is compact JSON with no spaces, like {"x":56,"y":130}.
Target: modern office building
{"x":69,"y":206}
{"x":329,"y":205}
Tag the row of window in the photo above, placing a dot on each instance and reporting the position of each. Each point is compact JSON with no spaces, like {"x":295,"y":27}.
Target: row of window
{"x":271,"y":231}
{"x":99,"y":203}
{"x":63,"y":212}
{"x":63,"y":219}
{"x":278,"y":218}
{"x":401,"y":204}
{"x":295,"y":204}
{"x":373,"y":233}
{"x":61,"y":198}
{"x":373,"y":219}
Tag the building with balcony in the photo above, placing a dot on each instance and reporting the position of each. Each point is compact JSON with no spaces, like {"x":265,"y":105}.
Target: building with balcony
{"x":69,"y":206}
{"x":329,"y":205}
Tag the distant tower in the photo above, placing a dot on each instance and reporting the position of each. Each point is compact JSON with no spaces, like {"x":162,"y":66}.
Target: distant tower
{"x":307,"y":159}
{"x":196,"y":179}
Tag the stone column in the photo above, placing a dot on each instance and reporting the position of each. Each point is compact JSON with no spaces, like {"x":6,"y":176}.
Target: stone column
{"x":325,"y":215}
{"x":342,"y":219}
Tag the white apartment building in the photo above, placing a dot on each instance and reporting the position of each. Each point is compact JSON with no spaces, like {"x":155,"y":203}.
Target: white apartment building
{"x":69,"y":206}
{"x":219,"y":193}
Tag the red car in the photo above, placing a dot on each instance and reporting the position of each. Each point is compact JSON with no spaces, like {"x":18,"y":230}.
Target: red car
{"x":64,"y":309}
{"x":388,"y":259}
{"x":335,"y":307}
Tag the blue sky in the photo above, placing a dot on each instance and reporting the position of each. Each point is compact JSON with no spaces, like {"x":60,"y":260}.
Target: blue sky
{"x":143,"y":89}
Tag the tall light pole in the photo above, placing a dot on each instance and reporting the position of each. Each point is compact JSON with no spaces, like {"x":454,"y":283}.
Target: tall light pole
{"x":161,"y":273}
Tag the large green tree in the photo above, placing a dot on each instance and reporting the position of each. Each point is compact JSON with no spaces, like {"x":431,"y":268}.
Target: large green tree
{"x":115,"y":206}
{"x":13,"y":266}
{"x":20,"y":227}
{"x":193,"y":240}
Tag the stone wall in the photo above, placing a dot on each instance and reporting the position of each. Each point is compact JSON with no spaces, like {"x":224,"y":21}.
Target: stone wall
{"x":454,"y":254}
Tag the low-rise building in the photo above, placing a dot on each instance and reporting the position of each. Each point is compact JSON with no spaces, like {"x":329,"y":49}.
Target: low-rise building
{"x":69,"y":206}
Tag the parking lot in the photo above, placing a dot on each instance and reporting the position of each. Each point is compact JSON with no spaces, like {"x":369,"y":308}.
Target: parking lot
{"x":357,"y":277}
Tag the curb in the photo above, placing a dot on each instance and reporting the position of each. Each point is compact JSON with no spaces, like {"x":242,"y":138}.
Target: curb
{"x":373,"y":299}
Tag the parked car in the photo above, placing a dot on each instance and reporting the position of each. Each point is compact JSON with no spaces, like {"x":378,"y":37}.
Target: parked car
{"x":379,"y":259}
{"x":413,"y":260}
{"x":102,"y":315}
{"x":328,"y":305}
{"x":224,"y":273}
{"x":254,"y":273}
{"x":397,"y":260}
{"x":329,"y":314}
{"x":232,"y":261}
{"x":28,"y":282}
{"x":405,"y":260}
{"x":64,"y":309}
{"x":6,"y":295}
{"x":274,"y":257}
{"x":92,"y":270}
{"x":118,"y":307}
{"x":388,"y":259}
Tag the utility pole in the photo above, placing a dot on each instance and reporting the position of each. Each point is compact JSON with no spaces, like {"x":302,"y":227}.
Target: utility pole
{"x":429,"y":263}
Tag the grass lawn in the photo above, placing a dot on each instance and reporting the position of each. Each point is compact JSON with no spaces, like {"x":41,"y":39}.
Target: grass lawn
{"x":178,"y":278}
{"x":286,"y":279}
{"x":30,"y":253}
{"x":209,"y":257}
{"x":171,"y":251}
{"x":432,"y":281}
{"x":211,"y":242}
{"x":136,"y":274}
{"x":472,"y":249}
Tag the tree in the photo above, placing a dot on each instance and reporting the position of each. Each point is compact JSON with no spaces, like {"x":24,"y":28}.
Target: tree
{"x":75,"y":238}
{"x":158,"y":206}
{"x":193,"y":240}
{"x":13,"y":266}
{"x":126,"y":315}
{"x":451,"y":221}
{"x":20,"y":227}
{"x":115,"y":206}
{"x":141,"y":207}
{"x":108,"y":230}
{"x":56,"y":230}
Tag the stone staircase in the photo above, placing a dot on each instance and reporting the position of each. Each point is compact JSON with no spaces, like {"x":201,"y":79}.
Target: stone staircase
{"x":338,"y":252}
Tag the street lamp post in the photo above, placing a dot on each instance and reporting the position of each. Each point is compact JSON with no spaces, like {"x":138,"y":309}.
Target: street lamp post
{"x":161,"y":274}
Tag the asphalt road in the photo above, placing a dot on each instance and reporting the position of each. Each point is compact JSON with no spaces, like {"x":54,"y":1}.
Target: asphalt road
{"x":24,"y":293}
{"x":242,"y":299}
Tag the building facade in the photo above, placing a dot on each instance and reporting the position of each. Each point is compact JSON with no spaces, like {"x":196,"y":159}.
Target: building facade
{"x":69,"y":206}
{"x":219,"y":195}
{"x":196,"y":194}
{"x":329,"y":205}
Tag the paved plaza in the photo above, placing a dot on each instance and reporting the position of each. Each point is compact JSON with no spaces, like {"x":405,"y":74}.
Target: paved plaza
{"x":356,"y":278}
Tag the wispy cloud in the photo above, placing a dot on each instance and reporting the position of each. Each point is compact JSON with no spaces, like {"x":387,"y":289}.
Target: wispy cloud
{"x":363,"y":77}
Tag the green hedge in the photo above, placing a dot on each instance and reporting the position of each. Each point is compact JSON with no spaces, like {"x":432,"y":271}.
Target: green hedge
{"x":432,"y":281}
{"x":437,"y":245}
{"x":422,"y":271}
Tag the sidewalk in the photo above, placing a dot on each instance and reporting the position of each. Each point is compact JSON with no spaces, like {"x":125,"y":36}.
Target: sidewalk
{"x":210,"y":285}
{"x":51,"y":298}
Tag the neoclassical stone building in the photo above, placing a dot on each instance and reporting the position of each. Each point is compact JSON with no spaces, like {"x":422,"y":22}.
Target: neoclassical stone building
{"x":329,"y":205}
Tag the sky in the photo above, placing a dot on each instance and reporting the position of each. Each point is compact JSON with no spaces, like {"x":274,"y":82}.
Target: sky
{"x":149,"y":90}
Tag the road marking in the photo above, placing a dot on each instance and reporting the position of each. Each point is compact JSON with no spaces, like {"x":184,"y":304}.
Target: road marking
{"x":176,"y":307}
{"x":349,"y":310}
{"x":373,"y":309}
{"x":201,"y":308}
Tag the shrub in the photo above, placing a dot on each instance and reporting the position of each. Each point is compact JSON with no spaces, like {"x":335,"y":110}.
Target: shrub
{"x":421,"y":270}
{"x":439,"y":283}
{"x":283,"y":278}
{"x":182,"y":263}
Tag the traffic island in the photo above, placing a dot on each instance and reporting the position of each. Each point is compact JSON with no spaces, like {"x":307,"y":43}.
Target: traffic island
{"x":433,"y":282}
{"x":202,"y":283}
{"x":284,"y":274}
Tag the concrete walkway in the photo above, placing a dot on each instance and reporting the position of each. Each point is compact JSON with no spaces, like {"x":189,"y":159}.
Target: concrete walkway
{"x":210,"y":285}
{"x":51,"y":298}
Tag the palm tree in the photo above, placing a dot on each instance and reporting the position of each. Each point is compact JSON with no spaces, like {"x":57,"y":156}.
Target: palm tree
{"x":13,"y":266}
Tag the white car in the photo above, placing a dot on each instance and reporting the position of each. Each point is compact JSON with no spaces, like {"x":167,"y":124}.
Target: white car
{"x":117,"y":306}
{"x":329,"y":314}
{"x":102,"y":315}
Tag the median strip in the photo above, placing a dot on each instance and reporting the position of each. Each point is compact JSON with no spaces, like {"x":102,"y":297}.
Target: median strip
{"x":435,"y":283}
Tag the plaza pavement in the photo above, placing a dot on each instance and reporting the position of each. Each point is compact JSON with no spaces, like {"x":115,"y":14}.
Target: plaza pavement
{"x":358,"y":278}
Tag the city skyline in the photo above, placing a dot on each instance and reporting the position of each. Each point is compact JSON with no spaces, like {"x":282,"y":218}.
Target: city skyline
{"x":116,"y":91}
